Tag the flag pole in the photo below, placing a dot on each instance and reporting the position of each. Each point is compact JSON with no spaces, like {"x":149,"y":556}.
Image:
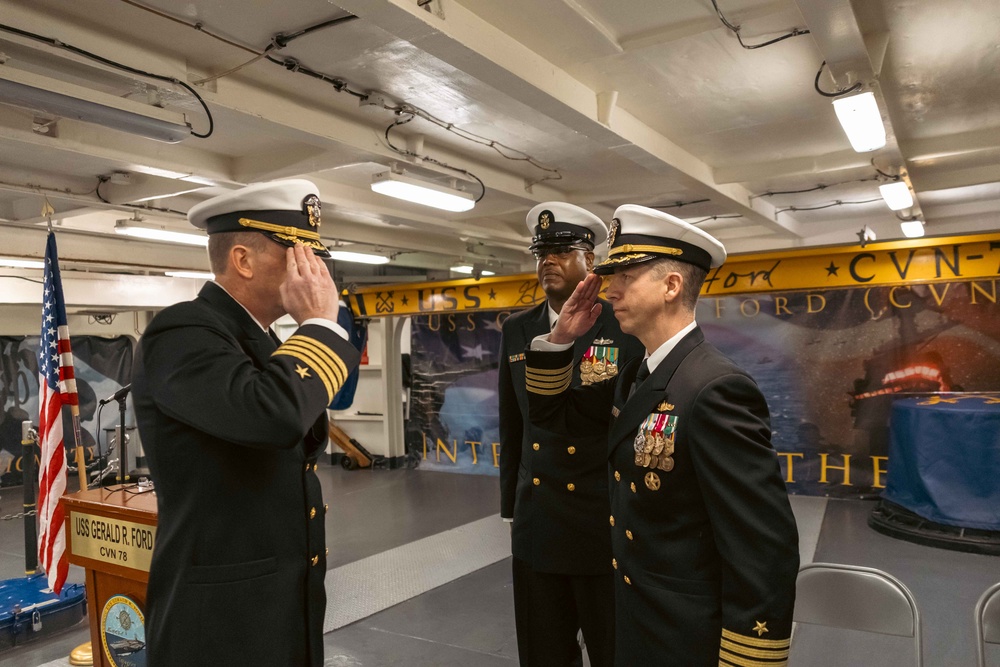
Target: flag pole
{"x":81,"y":469}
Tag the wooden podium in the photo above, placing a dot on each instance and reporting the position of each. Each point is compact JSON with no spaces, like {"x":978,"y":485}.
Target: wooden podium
{"x":110,"y":532}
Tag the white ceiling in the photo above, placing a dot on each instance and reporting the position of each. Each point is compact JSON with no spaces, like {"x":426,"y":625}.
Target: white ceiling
{"x":644,"y":101}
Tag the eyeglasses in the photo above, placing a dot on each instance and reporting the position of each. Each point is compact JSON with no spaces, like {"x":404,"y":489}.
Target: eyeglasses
{"x":559,"y":252}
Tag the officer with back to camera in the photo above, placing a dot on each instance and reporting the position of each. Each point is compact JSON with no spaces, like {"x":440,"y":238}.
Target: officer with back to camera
{"x":232,"y":421}
{"x":555,"y":488}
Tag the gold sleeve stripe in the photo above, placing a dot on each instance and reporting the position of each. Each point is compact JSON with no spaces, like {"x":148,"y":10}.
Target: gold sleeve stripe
{"x":773,"y":654}
{"x":548,"y":371}
{"x":549,"y":385}
{"x":311,"y":364}
{"x":329,"y":359}
{"x":315,"y":362}
{"x":755,"y":641}
{"x":550,"y":379}
{"x":548,"y":392}
{"x":324,"y":350}
{"x":730,"y":659}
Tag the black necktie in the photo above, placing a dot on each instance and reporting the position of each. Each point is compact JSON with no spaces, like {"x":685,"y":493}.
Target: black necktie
{"x":640,"y":376}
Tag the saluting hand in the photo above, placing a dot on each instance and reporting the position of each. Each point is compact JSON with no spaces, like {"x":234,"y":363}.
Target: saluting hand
{"x":579,"y":312}
{"x":308,"y":290}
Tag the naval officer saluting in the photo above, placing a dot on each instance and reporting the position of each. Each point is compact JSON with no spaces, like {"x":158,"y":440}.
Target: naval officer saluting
{"x":555,"y":488}
{"x":705,"y":544}
{"x":232,"y":421}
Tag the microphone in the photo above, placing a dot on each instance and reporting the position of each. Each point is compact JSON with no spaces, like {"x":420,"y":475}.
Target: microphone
{"x":117,"y":396}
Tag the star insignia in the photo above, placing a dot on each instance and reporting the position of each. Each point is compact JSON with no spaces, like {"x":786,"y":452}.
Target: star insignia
{"x":832,"y":269}
{"x":493,"y":294}
{"x":405,"y":299}
{"x":760,"y":628}
{"x":303,"y":372}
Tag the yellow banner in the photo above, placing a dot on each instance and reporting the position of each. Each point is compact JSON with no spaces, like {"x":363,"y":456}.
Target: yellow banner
{"x":891,"y":263}
{"x":112,"y":540}
{"x":499,"y":293}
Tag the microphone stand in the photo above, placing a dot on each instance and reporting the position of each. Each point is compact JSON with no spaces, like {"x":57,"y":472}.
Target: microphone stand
{"x":123,"y":466}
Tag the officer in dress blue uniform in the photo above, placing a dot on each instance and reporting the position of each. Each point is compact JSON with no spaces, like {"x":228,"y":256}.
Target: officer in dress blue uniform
{"x":554,"y":488}
{"x":705,"y":547}
{"x":232,"y":421}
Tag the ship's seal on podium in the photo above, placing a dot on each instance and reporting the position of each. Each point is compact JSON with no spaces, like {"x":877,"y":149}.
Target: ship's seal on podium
{"x":123,"y":632}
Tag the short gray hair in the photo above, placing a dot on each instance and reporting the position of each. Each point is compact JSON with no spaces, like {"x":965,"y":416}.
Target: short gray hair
{"x":220,"y":244}
{"x":693,"y":276}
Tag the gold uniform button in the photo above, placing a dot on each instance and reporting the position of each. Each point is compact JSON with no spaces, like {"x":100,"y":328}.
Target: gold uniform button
{"x":536,"y":446}
{"x":614,"y":563}
{"x":571,"y":449}
{"x":326,"y":508}
{"x":312,"y":513}
{"x":308,"y":467}
{"x":315,"y":560}
{"x":612,"y":520}
{"x":633,"y":487}
{"x":628,"y":534}
{"x":571,"y":486}
{"x":627,"y":580}
{"x":618,"y":476}
{"x":315,"y":467}
{"x":536,"y":481}
{"x":328,"y":551}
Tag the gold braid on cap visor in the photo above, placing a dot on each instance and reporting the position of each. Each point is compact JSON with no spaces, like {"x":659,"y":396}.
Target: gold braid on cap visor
{"x":629,"y":247}
{"x":285,"y":230}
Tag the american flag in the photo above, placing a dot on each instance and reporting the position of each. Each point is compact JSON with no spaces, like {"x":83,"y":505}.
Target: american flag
{"x":56,"y":389}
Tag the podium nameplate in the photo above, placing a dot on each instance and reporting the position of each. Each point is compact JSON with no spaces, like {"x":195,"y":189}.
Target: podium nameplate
{"x":111,"y":540}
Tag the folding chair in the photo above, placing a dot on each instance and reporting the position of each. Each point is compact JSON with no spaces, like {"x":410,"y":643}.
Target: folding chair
{"x":987,"y":622}
{"x":857,"y":598}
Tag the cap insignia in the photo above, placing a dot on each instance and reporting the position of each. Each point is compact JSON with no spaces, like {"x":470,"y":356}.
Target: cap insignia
{"x":545,"y":219}
{"x":311,"y":207}
{"x":615,"y":227}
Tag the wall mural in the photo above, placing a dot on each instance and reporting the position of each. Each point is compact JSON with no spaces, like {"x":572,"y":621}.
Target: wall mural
{"x":829,"y":362}
{"x":103,"y":365}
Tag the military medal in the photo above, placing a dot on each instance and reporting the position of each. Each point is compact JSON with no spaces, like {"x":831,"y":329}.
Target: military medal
{"x":659,"y":441}
{"x":668,"y":445}
{"x":586,"y":369}
{"x":645,"y":460}
{"x":652,"y":481}
{"x":666,"y":464}
{"x":653,"y":460}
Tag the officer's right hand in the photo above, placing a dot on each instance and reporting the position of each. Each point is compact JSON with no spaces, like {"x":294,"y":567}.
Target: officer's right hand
{"x":308,"y":291}
{"x":579,"y":313}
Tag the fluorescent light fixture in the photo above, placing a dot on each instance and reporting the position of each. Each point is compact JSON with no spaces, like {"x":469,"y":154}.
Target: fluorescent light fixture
{"x":896,"y":195}
{"x":67,"y":100}
{"x":861,"y":120}
{"x":358,"y":257}
{"x":22,"y":263}
{"x":418,"y":191}
{"x":912,"y":229}
{"x":196,"y":275}
{"x":130,"y":228}
{"x":465,"y":268}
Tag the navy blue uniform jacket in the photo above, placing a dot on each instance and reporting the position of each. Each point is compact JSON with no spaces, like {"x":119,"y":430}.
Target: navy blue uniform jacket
{"x":556,"y":529}
{"x":232,"y":424}
{"x":705,"y":554}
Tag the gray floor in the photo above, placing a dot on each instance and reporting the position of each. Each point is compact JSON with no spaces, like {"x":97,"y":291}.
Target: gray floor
{"x":468,"y":621}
